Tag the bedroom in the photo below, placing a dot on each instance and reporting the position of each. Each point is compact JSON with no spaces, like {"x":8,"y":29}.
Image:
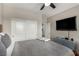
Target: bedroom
{"x":24,"y":22}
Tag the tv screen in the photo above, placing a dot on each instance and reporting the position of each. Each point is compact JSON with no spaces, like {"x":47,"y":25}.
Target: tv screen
{"x":68,"y":24}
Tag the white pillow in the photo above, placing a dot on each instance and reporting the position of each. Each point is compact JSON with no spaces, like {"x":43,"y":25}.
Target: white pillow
{"x":2,"y":34}
{"x":45,"y":39}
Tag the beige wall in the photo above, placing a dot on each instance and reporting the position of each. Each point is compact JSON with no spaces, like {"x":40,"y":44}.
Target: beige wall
{"x":0,"y":13}
{"x":68,"y":13}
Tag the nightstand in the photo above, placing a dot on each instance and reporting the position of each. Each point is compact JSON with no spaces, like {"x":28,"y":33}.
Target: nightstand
{"x":76,"y":53}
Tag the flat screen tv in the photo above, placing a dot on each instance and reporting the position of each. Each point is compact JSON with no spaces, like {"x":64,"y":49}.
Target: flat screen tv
{"x":67,"y":24}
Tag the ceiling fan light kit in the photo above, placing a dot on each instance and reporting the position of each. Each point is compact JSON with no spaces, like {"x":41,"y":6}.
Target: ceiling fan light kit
{"x":48,"y":4}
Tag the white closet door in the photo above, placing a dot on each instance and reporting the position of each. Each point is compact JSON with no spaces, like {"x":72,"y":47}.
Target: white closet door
{"x":18,"y":30}
{"x":31,"y":29}
{"x":24,"y":29}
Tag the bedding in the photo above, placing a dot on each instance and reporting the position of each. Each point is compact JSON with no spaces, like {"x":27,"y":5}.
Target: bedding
{"x":67,"y":43}
{"x":5,"y":41}
{"x":40,"y":48}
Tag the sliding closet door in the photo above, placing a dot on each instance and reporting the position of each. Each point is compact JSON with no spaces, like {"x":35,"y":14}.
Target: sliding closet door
{"x":18,"y":30}
{"x":24,"y":29}
{"x":30,"y":29}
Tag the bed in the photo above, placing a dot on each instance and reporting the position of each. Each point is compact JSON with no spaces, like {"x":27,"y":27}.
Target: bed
{"x":40,"y":48}
{"x":65,"y":42}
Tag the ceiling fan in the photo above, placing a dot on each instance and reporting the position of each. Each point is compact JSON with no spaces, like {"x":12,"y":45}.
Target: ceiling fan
{"x":47,"y":4}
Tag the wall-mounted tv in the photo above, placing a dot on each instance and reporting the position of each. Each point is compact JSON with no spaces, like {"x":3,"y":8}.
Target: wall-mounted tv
{"x":67,"y":24}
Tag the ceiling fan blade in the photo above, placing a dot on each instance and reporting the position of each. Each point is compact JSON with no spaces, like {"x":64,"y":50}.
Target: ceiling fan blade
{"x":52,"y":5}
{"x":42,"y":7}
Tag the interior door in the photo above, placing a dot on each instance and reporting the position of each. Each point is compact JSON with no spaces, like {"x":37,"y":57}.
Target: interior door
{"x":24,"y":29}
{"x":18,"y":32}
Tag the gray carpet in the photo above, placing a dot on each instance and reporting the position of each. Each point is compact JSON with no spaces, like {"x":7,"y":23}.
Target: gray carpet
{"x":40,"y":48}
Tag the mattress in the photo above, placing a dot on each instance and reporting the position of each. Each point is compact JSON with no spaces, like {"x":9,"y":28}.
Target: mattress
{"x":40,"y":48}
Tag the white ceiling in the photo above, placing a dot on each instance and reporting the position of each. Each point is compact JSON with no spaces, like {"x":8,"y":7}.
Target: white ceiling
{"x":48,"y":11}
